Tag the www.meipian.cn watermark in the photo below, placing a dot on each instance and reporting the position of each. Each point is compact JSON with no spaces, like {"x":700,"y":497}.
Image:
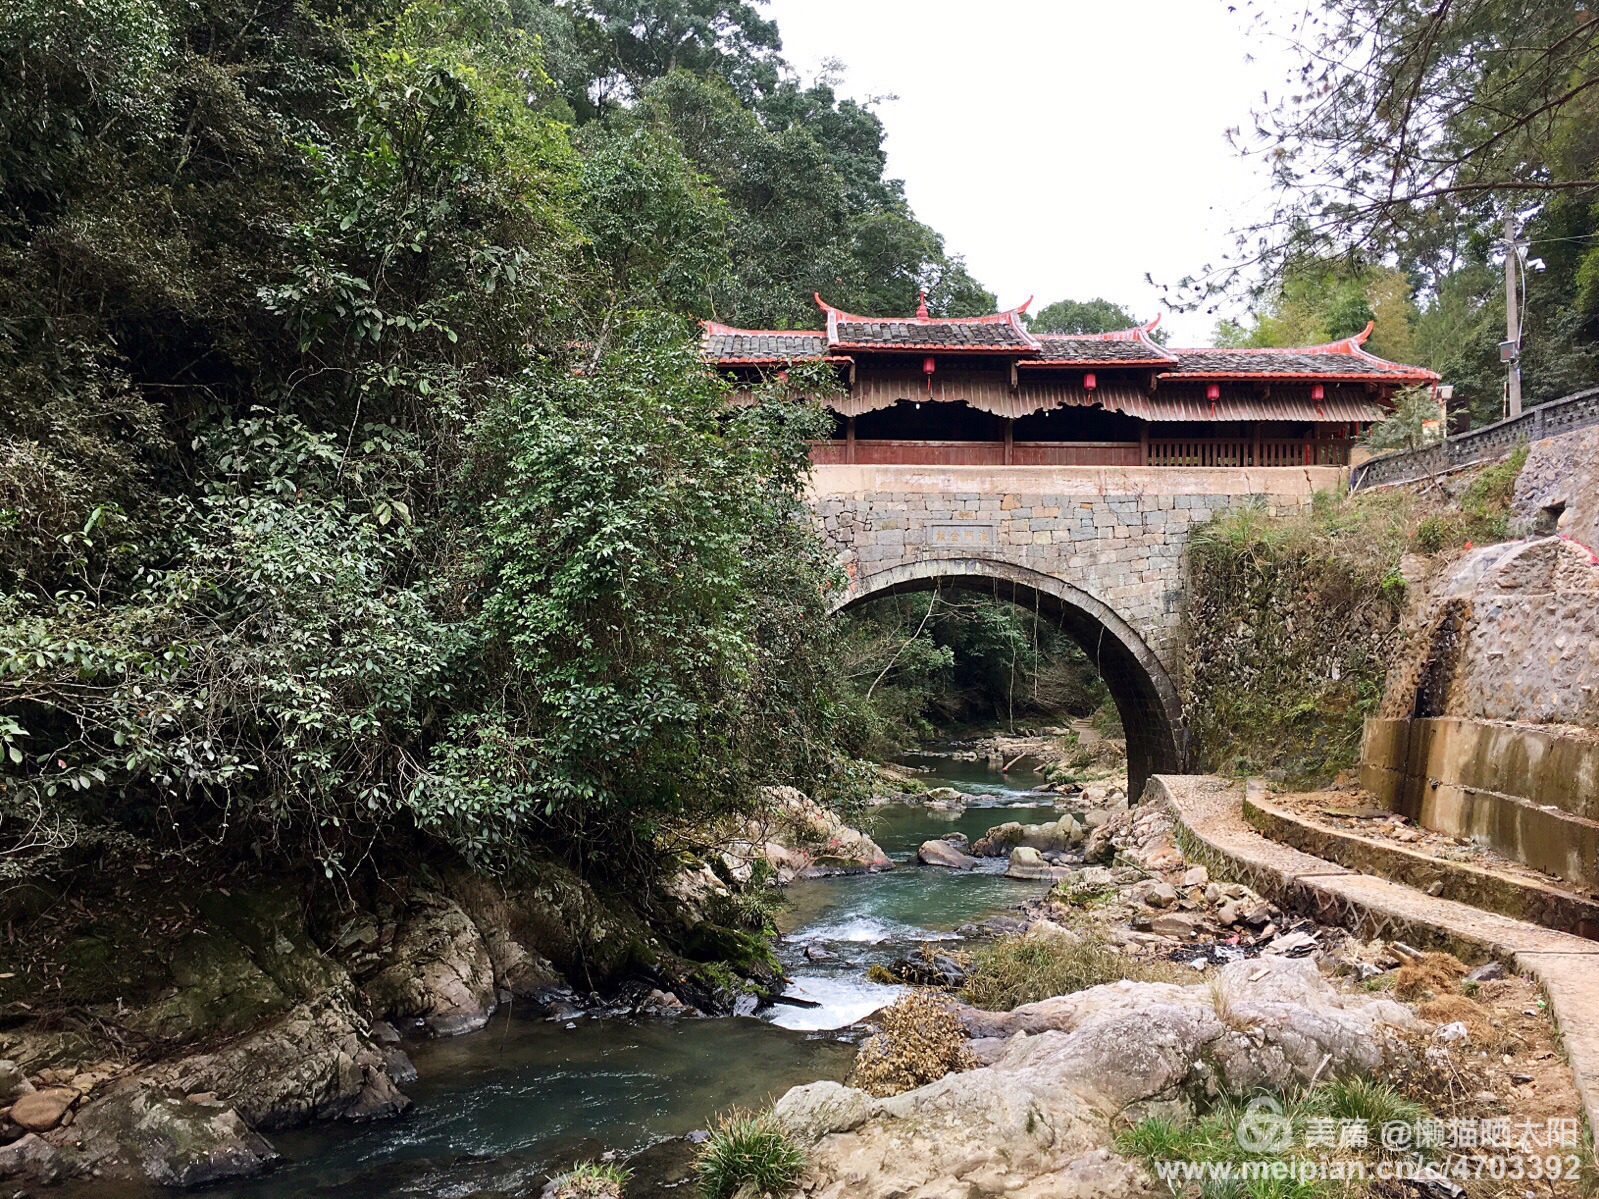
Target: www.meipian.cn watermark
{"x":1307,"y":1149}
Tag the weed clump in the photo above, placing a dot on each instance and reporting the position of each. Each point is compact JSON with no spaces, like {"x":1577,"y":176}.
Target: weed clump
{"x":591,"y":1180}
{"x":921,"y":1041}
{"x":748,"y":1148}
{"x":1039,"y":964}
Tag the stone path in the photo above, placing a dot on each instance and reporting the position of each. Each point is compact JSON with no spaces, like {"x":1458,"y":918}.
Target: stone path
{"x":1211,"y":828}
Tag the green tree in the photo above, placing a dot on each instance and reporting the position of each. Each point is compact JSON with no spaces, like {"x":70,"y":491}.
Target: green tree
{"x":1075,"y":316}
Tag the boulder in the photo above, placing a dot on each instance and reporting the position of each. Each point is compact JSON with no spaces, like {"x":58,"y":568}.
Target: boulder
{"x":139,"y":1131}
{"x":803,"y":839}
{"x":1160,"y":895}
{"x":40,"y":1111}
{"x":693,"y":889}
{"x":438,"y":970}
{"x":1053,"y":836}
{"x":313,"y":1064}
{"x":1174,"y":924}
{"x":1037,"y":1122}
{"x":219,"y":989}
{"x":943,"y":795}
{"x":809,"y":1113}
{"x":520,"y":971}
{"x":1196,"y":876}
{"x":1026,"y":862}
{"x":998,"y":841}
{"x":943,"y":853}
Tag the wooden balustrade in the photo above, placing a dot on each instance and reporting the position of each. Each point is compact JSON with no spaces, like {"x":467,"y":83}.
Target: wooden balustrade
{"x":1245,"y":451}
{"x":1158,"y":451}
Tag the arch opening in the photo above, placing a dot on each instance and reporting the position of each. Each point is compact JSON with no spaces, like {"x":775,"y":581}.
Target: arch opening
{"x":1145,"y":696}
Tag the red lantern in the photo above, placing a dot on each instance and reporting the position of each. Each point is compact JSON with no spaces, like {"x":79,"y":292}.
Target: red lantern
{"x":1213,"y":392}
{"x":1318,"y":392}
{"x":927,"y":365}
{"x":1089,"y":382}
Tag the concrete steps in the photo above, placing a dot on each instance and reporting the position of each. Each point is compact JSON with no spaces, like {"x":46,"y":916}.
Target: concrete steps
{"x":1212,"y":830}
{"x":1522,"y":897}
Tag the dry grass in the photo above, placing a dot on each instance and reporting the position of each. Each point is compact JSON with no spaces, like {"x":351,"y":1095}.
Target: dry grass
{"x":1039,"y":964}
{"x":1434,"y":974}
{"x":921,"y":1041}
{"x":1486,"y":1032}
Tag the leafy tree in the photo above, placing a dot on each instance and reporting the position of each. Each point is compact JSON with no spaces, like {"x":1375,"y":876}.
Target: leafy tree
{"x":1406,"y":124}
{"x":1415,"y":421}
{"x":1319,"y":301}
{"x":1075,"y":316}
{"x":1405,"y":137}
{"x":635,"y":42}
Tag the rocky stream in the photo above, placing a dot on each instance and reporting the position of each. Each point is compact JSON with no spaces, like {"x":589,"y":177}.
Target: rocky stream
{"x":495,"y":1111}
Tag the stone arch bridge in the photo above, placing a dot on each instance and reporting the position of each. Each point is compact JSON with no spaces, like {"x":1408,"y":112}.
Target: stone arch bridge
{"x":1099,"y":551}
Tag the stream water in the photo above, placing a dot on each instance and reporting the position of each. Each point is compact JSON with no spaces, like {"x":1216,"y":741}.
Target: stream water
{"x":495,"y":1111}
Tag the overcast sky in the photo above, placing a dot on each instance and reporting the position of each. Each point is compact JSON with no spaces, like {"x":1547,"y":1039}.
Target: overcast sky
{"x":1064,"y":147}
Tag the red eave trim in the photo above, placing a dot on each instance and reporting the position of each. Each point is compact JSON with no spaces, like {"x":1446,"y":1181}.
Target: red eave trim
{"x":1393,"y":376}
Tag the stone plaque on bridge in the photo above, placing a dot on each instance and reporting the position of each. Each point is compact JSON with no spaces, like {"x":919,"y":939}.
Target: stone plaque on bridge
{"x":961,"y":536}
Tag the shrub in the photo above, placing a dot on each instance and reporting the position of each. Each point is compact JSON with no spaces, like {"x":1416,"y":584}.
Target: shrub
{"x":1037,"y":965}
{"x":921,"y":1041}
{"x":748,"y":1148}
{"x":591,"y":1180}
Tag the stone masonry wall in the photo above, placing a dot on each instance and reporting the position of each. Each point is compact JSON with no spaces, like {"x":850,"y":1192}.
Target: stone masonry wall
{"x":1561,"y":472}
{"x":1117,"y":533}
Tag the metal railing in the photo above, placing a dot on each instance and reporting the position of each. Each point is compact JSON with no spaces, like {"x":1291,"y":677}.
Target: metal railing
{"x":1578,"y":411}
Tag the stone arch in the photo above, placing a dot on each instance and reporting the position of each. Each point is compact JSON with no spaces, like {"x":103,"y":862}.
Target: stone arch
{"x":1139,"y":685}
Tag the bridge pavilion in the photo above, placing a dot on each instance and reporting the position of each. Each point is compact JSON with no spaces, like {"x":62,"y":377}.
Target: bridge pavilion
{"x":986,"y":391}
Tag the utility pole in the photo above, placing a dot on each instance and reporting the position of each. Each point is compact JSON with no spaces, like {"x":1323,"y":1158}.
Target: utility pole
{"x":1510,"y":351}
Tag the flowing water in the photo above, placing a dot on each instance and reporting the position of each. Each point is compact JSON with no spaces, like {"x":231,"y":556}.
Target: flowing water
{"x":495,"y":1111}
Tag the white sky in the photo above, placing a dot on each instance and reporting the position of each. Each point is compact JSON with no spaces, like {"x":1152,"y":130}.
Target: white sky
{"x":1064,"y":147}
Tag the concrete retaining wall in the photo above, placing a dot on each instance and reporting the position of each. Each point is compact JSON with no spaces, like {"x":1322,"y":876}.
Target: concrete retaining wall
{"x":1531,"y":793}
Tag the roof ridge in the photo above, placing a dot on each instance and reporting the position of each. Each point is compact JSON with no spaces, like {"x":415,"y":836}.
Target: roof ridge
{"x":1004,"y":317}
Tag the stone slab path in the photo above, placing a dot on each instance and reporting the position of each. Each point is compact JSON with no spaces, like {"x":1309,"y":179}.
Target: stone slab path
{"x":1211,"y":828}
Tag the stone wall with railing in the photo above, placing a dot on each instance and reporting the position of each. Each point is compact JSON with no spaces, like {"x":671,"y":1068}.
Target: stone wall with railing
{"x":1578,"y":411}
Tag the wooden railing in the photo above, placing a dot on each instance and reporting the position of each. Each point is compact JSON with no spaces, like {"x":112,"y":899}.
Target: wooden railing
{"x":1246,"y":451}
{"x":1163,"y":451}
{"x":978,"y":453}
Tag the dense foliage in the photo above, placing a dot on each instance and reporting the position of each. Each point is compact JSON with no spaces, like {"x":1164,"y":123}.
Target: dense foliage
{"x":915,"y":666}
{"x":358,"y":476}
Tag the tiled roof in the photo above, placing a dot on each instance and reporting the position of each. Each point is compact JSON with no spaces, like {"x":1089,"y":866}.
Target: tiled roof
{"x":929,"y":335}
{"x":728,"y":345}
{"x":1297,"y":364}
{"x":1000,"y":331}
{"x":1343,"y":359}
{"x":1003,"y":333}
{"x":1064,"y":349}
